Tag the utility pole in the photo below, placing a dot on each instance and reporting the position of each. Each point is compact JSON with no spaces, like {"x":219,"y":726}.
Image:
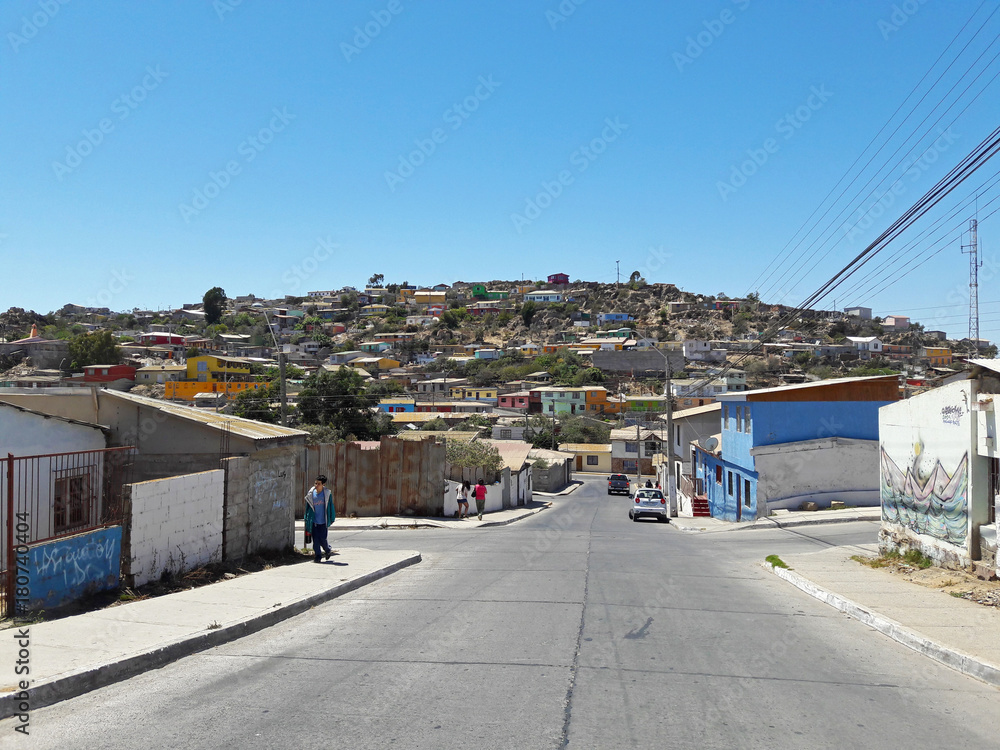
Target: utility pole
{"x":671,"y":477}
{"x":618,"y":274}
{"x":974,"y":265}
{"x":284,"y":392}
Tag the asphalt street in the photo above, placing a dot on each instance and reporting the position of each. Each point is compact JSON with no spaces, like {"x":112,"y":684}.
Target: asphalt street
{"x":573,"y":628}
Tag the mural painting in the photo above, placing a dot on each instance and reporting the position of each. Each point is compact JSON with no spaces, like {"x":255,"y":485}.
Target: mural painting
{"x":932,"y":502}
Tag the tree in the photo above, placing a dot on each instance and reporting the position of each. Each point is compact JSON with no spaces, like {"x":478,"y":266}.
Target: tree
{"x":93,"y":349}
{"x":375,"y":280}
{"x":339,"y":399}
{"x":256,"y":403}
{"x":474,"y":454}
{"x":213,"y":303}
{"x":528,"y":310}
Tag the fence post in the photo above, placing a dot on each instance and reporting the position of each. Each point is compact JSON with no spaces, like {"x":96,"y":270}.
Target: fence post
{"x":8,"y":600}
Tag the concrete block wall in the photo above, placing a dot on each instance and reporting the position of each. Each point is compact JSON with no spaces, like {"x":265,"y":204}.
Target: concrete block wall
{"x":176,"y":525}
{"x":237,"y":520}
{"x":273,"y":485}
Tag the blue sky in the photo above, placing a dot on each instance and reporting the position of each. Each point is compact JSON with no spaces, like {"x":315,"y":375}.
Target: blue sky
{"x":152,"y":150}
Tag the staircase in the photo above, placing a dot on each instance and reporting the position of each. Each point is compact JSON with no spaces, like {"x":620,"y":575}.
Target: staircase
{"x":699,"y":507}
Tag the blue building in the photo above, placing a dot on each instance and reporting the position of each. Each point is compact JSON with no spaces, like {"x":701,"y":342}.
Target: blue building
{"x":780,"y":447}
{"x":613,"y":317}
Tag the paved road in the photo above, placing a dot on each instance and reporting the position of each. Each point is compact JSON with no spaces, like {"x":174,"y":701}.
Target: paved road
{"x":576,"y":627}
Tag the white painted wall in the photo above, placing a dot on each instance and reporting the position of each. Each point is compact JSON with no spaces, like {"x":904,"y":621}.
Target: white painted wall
{"x":26,"y":434}
{"x":821,"y":471}
{"x":916,"y":434}
{"x":176,"y":524}
{"x":494,"y":499}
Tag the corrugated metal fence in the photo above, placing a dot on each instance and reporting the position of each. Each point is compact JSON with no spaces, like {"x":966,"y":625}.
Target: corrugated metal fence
{"x":400,"y":477}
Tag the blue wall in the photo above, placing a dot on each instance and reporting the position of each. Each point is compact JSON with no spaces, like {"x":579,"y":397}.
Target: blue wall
{"x":66,"y":569}
{"x":774,"y":422}
{"x":722,"y":504}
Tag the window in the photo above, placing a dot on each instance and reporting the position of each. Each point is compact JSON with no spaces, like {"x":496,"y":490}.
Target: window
{"x":71,"y":505}
{"x":651,"y":447}
{"x":746,"y":417}
{"x":739,"y":419}
{"x":730,"y":486}
{"x":746,"y":492}
{"x":725,"y":416}
{"x":591,"y":460}
{"x":631,"y":447}
{"x":630,"y":465}
{"x":202,"y":366}
{"x":505,"y":434}
{"x":718,"y":475}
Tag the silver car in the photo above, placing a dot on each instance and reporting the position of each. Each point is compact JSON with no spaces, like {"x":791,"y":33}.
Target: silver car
{"x":648,"y":502}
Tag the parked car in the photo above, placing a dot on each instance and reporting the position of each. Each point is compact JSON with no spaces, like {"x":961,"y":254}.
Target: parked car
{"x":649,"y":502}
{"x":618,"y":484}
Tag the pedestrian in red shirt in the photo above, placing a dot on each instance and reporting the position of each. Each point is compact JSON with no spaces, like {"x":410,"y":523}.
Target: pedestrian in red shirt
{"x":480,"y":493}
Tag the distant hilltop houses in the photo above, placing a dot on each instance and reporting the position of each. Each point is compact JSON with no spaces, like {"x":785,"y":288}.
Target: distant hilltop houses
{"x":622,"y":338}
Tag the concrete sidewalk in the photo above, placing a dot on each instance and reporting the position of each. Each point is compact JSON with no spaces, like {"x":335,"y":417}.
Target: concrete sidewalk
{"x":781,"y":520}
{"x":493,"y":518}
{"x":958,"y":633}
{"x":74,"y":655}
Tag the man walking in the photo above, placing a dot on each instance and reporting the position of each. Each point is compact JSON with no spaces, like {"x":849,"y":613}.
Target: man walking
{"x":319,"y":515}
{"x":480,"y":493}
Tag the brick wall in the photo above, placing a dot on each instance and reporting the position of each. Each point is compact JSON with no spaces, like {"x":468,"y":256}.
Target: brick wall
{"x":175,"y":525}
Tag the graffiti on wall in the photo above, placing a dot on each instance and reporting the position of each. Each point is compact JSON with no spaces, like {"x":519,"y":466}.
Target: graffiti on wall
{"x":65,"y":569}
{"x":932,"y":502}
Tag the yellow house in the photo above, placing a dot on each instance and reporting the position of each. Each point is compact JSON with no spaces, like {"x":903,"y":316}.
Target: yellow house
{"x":473,"y":392}
{"x":185,"y":390}
{"x":593,"y":457}
{"x":429,"y":297}
{"x":374,"y":363}
{"x":208,"y":367}
{"x":936,"y":355}
{"x":369,"y":310}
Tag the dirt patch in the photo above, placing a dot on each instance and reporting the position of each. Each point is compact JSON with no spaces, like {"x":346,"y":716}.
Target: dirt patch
{"x":957,"y":583}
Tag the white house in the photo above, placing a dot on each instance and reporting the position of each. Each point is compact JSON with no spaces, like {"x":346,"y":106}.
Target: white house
{"x":866,"y":346}
{"x":62,"y":492}
{"x":702,"y":351}
{"x":543,"y":296}
{"x":865,"y":313}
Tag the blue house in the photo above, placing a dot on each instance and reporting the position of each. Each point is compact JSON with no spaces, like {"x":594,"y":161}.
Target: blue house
{"x":779,"y":447}
{"x":613,"y":317}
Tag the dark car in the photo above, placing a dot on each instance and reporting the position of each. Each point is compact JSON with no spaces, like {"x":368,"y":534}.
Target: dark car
{"x":618,"y":484}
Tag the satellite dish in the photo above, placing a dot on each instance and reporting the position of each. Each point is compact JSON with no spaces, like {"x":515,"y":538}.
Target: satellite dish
{"x":711,"y":444}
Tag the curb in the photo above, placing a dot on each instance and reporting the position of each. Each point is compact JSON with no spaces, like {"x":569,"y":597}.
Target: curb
{"x":957,"y":660}
{"x":487,"y":524}
{"x":88,"y":679}
{"x":771,"y":524}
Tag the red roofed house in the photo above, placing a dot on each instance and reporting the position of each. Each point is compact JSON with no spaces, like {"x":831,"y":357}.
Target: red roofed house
{"x":559,"y":279}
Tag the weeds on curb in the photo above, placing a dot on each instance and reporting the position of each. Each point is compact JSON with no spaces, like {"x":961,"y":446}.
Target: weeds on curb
{"x":776,"y":562}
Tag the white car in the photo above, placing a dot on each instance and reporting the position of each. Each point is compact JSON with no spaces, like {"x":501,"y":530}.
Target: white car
{"x":648,"y":502}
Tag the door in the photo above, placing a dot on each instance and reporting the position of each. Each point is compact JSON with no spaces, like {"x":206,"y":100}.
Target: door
{"x":579,"y":463}
{"x":739,"y":500}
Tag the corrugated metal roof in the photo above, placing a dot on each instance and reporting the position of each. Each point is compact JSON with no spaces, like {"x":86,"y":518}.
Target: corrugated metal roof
{"x":738,"y":395}
{"x":587,"y":447}
{"x":247,"y":428}
{"x":989,"y":364}
{"x":696,"y":410}
{"x":514,"y":453}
